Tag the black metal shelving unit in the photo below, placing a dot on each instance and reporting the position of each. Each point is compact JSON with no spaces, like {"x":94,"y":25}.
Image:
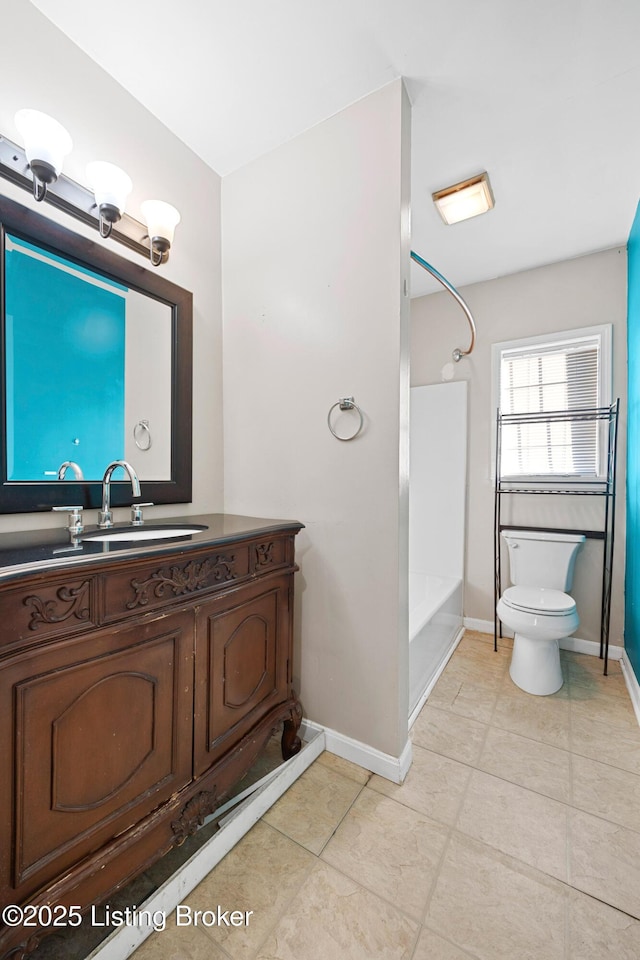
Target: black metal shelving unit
{"x":604,"y":487}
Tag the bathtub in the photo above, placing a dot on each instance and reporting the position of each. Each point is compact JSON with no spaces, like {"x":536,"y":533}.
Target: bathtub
{"x":435,"y":627}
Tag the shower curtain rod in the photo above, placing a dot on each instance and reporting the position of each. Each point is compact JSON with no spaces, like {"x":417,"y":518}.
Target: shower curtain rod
{"x":458,"y":354}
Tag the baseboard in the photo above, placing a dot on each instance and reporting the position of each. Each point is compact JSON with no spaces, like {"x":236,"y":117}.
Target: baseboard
{"x":387,"y":766}
{"x":590,"y":647}
{"x":575,"y":644}
{"x":632,"y":684}
{"x":481,"y":626}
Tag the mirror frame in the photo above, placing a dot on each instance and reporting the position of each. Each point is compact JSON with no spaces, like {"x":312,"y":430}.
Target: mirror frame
{"x":31,"y":497}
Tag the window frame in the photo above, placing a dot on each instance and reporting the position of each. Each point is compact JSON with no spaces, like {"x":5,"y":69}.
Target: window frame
{"x":603,"y":332}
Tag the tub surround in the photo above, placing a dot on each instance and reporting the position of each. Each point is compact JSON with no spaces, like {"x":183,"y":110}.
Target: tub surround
{"x":437,"y":500}
{"x":143,"y":680}
{"x":435,"y":624}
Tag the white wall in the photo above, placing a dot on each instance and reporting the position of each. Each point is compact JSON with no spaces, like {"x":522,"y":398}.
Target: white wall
{"x":575,"y":293}
{"x":315,"y":257}
{"x":42,"y":68}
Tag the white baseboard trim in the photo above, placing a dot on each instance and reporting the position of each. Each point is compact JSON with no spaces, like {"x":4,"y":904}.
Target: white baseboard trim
{"x":590,"y":647}
{"x":632,"y":684}
{"x":575,"y":644}
{"x":482,"y":626}
{"x":387,"y":766}
{"x":126,"y":939}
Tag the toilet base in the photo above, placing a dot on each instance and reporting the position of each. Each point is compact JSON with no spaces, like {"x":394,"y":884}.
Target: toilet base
{"x":535,"y":665}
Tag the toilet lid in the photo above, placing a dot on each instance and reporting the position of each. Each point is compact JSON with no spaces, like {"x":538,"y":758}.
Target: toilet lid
{"x":539,"y":600}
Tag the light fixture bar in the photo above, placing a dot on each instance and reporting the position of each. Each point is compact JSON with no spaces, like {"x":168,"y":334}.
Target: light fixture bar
{"x":71,"y":197}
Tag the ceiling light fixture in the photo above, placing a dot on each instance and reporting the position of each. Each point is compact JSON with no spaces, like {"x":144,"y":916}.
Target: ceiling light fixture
{"x":463,"y":200}
{"x":38,"y":168}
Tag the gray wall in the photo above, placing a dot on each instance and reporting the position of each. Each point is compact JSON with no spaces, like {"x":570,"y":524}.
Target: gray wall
{"x":315,"y":255}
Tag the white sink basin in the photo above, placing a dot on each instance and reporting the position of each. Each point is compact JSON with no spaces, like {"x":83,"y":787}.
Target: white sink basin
{"x":154,"y":532}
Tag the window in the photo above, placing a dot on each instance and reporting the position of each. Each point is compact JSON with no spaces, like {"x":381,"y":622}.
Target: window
{"x":567,"y":371}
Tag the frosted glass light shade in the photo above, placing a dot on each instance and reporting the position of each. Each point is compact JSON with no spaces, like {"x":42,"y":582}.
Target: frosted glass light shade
{"x":46,"y":142}
{"x":110,"y":184}
{"x":161,"y":219}
{"x":464,"y":200}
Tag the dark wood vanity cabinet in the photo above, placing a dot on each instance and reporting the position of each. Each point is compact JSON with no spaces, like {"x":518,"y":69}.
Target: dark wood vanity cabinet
{"x":134,"y":694}
{"x":242,"y":666}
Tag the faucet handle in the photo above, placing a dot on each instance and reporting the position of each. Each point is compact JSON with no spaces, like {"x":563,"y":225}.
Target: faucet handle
{"x":136,"y":513}
{"x":74,"y":525}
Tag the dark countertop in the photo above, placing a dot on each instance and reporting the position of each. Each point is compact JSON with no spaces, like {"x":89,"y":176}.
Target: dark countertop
{"x":29,"y":551}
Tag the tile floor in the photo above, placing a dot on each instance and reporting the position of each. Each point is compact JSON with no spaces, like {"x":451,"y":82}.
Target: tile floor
{"x":516,"y":835}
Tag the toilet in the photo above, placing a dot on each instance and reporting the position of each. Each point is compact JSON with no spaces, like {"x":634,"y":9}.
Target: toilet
{"x":537,"y":607}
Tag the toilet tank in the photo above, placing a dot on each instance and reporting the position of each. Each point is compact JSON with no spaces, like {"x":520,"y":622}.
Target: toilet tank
{"x":539,"y":559}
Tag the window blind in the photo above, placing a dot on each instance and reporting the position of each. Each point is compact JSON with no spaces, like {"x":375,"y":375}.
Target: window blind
{"x":544,"y":378}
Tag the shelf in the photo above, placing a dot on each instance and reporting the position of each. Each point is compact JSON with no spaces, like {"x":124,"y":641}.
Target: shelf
{"x":604,"y":487}
{"x":550,"y":492}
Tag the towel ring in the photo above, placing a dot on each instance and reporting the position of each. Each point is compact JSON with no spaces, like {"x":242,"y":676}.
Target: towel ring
{"x":142,"y":435}
{"x":346,"y":403}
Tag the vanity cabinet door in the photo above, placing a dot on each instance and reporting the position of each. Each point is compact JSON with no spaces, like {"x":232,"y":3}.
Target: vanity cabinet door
{"x":242,"y":665}
{"x":97,"y":734}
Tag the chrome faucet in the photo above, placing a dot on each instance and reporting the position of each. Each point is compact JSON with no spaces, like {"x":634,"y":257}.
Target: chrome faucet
{"x":105,"y":518}
{"x":70,"y":465}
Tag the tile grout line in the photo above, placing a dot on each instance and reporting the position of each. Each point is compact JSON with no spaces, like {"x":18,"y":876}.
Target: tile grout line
{"x":570,"y":754}
{"x":288,"y":904}
{"x":568,"y":887}
{"x":569,"y":807}
{"x":452,"y":828}
{"x":375,"y":893}
{"x":307,"y":873}
{"x":340,"y":821}
{"x":318,"y":860}
{"x":420,"y":925}
{"x":568,"y":834}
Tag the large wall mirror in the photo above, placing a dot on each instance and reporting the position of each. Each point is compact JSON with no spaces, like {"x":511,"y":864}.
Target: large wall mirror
{"x":96,"y":361}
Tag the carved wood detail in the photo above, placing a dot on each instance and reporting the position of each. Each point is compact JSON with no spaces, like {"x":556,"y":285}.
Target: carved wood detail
{"x":26,"y":947}
{"x":291,"y":742}
{"x":264,"y":554}
{"x":47,"y":611}
{"x":179,"y":581}
{"x":194,"y":815}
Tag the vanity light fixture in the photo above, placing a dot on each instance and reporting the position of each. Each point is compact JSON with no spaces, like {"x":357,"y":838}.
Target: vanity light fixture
{"x":46,"y":144}
{"x":37,"y":168}
{"x":464,"y":200}
{"x":111,"y":187}
{"x":161,"y":219}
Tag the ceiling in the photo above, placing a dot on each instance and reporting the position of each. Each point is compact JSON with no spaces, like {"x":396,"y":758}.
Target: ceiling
{"x":543,"y":94}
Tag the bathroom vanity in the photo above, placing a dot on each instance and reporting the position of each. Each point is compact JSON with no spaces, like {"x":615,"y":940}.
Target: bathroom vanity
{"x":139,"y":682}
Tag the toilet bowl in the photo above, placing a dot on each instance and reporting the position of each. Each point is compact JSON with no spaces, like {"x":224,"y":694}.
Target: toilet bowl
{"x":540,"y":618}
{"x":537,"y":607}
